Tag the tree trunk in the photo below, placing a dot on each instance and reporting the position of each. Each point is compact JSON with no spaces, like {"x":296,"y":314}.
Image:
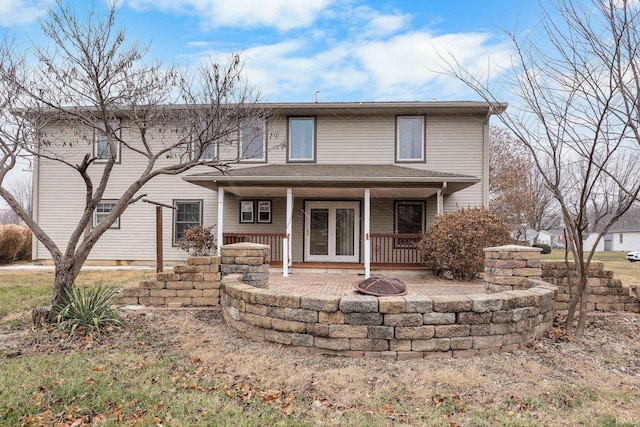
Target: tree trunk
{"x":65,"y":276}
{"x":582,"y":320}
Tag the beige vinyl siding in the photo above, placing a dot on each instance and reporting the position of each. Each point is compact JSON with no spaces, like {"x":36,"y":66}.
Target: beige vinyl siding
{"x":61,"y":200}
{"x":359,"y":139}
{"x":455,"y":145}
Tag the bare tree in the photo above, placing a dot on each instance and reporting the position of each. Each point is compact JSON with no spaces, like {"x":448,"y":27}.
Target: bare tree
{"x":577,"y":83}
{"x":89,"y":90}
{"x":21,"y":190}
{"x":516,"y":189}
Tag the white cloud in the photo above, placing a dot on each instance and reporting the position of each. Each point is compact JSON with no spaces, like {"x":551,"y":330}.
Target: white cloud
{"x":371,"y":23}
{"x":281,"y":14}
{"x":403,"y":67}
{"x":20,"y":12}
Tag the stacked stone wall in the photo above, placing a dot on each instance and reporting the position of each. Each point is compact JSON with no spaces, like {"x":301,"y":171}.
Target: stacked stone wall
{"x":512,"y":267}
{"x":194,"y":284}
{"x":605,"y":293}
{"x":249,"y":259}
{"x":398,"y":327}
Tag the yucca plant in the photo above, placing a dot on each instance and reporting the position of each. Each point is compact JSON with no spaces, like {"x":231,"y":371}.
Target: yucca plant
{"x":89,"y":308}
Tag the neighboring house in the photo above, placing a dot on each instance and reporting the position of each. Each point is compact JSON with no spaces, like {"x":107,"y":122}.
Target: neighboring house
{"x":553,"y":237}
{"x":524,"y":236}
{"x":626,"y":239}
{"x":605,"y":243}
{"x":346,"y":182}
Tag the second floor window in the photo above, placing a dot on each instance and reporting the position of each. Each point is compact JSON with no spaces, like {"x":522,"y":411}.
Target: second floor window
{"x":410,"y":139}
{"x":253,"y":140}
{"x":101,"y":149}
{"x":301,"y":144}
{"x":203,"y":147}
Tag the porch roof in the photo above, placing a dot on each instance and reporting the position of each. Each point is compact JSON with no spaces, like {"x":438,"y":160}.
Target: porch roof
{"x":348,"y":176}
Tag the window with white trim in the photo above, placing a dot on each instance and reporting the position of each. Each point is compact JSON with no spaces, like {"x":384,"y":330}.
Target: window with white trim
{"x":203,"y":146}
{"x":101,"y":149}
{"x":188,"y":214}
{"x":301,"y":139}
{"x":410,"y":139}
{"x":103,"y":210}
{"x":253,"y":140}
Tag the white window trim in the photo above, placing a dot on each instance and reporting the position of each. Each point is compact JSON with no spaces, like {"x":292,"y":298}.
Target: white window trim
{"x":100,"y":135}
{"x":175,"y":216}
{"x":311,"y":159}
{"x":116,"y":223}
{"x":422,"y":140}
{"x":262,"y":159}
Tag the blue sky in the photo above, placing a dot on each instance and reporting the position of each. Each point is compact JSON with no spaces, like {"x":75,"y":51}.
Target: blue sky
{"x":349,"y":50}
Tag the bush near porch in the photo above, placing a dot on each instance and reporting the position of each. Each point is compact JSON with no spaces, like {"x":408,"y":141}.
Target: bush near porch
{"x":453,"y":245}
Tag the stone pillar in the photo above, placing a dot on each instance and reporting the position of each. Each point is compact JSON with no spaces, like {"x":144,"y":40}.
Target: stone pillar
{"x":249,"y":259}
{"x":511,"y":267}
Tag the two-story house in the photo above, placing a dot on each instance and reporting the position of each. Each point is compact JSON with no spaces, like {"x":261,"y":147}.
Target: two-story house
{"x":342,"y":182}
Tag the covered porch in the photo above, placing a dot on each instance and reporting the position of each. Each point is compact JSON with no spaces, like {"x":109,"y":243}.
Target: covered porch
{"x":366,"y":216}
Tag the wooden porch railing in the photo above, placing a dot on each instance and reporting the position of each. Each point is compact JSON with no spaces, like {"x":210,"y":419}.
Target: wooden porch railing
{"x":274,"y":240}
{"x":395,"y":249}
{"x":385,"y":248}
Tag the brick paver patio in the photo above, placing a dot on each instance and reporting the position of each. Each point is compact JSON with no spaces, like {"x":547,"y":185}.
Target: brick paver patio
{"x":305,"y":282}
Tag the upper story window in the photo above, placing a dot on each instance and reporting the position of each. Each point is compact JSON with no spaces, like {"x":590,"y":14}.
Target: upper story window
{"x":253,"y":141}
{"x":410,"y":138}
{"x":302,"y":139}
{"x":103,"y":210}
{"x":203,"y":147}
{"x":101,"y":150}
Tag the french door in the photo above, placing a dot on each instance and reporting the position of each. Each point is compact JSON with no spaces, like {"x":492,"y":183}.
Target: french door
{"x":332,"y":231}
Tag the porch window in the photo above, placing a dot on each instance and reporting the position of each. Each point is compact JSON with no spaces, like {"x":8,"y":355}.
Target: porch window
{"x":103,"y":210}
{"x":188,"y":214}
{"x":301,"y":139}
{"x":101,"y":150}
{"x":253,"y":141}
{"x":410,"y":137}
{"x":409,"y":217}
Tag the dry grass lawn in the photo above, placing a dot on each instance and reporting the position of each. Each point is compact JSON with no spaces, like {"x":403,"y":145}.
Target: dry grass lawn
{"x":185,"y":367}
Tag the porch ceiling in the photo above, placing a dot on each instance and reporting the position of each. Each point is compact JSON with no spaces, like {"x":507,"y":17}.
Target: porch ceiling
{"x":316,"y":180}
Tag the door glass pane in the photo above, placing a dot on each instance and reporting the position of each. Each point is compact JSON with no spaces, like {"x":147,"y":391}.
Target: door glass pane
{"x":319,"y":238}
{"x":345,"y":231}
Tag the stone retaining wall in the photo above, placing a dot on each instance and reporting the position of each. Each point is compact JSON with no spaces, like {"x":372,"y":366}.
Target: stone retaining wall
{"x":390,"y":327}
{"x":605,"y":292}
{"x":194,"y":284}
{"x":198,"y":282}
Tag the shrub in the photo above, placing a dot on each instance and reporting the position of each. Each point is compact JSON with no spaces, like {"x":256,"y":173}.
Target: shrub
{"x":198,"y":241}
{"x":89,"y":308}
{"x":454,"y":243}
{"x":15,"y":243}
{"x":546,"y":249}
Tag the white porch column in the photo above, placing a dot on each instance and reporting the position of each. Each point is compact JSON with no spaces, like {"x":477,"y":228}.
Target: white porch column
{"x":367,"y":233}
{"x":289,"y":225}
{"x":220,"y":218}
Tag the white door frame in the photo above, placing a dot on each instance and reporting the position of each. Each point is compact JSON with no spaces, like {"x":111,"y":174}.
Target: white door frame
{"x":332,"y":205}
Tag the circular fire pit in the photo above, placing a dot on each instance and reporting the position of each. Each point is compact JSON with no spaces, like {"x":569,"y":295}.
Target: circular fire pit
{"x":380,"y":286}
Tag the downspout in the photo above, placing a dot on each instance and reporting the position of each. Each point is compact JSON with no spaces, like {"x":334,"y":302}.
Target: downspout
{"x":485,"y":159}
{"x":35,"y":200}
{"x":440,"y":198}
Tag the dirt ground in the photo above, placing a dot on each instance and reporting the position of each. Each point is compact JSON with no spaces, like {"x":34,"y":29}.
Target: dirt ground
{"x":553,"y":382}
